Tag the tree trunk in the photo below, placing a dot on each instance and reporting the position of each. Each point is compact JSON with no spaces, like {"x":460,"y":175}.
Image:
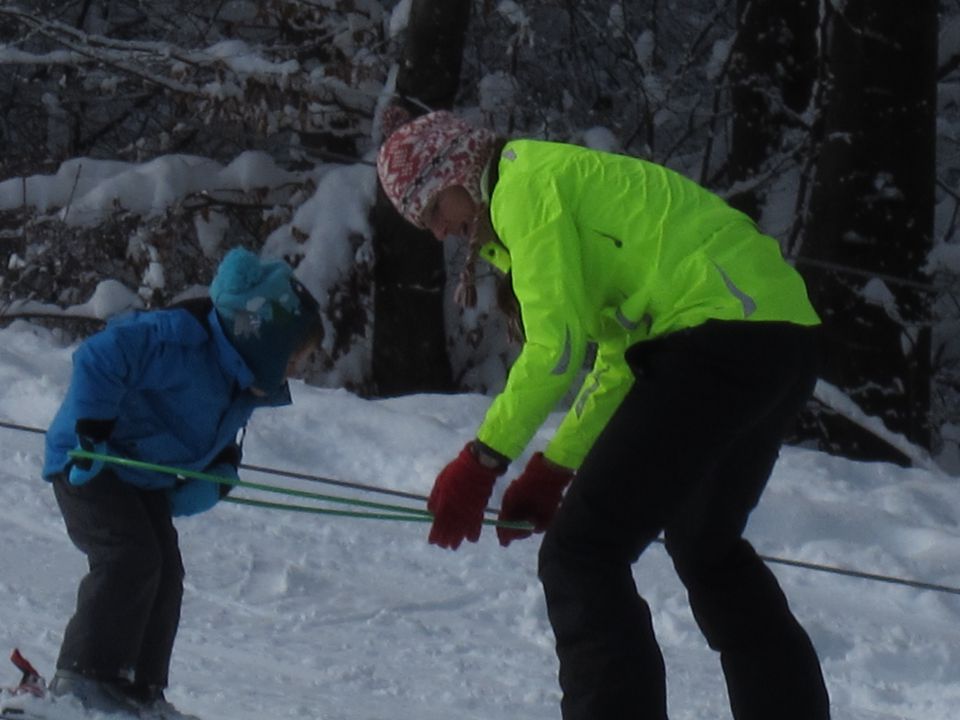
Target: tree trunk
{"x":773,"y":69}
{"x":872,"y":211}
{"x":409,"y":337}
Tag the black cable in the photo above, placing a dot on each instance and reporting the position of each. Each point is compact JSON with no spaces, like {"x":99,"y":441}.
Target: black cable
{"x":815,"y":567}
{"x":331,"y":481}
{"x":920,"y":585}
{"x":24,"y":428}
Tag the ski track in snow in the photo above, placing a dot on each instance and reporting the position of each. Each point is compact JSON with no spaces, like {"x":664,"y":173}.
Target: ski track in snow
{"x":290,"y":615}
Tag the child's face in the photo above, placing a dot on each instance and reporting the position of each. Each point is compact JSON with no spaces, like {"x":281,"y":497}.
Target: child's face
{"x":452,"y":212}
{"x":295,"y":366}
{"x":298,"y":361}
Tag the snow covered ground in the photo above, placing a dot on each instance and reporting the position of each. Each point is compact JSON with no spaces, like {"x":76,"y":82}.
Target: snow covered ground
{"x":295,"y":615}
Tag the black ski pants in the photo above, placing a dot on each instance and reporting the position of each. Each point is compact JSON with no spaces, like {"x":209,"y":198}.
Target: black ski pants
{"x":688,"y":454}
{"x":128,"y":604}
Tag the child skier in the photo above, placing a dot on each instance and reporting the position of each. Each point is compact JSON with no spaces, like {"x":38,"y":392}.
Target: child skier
{"x":706,"y":348}
{"x":174,"y":387}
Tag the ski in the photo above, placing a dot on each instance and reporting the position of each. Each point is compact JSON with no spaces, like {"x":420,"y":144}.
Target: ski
{"x":22,"y":706}
{"x":18,"y":713}
{"x":14,"y":701}
{"x":29,"y":700}
{"x":31,"y":681}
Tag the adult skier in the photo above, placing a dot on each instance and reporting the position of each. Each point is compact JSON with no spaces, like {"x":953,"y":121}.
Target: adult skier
{"x":706,"y":350}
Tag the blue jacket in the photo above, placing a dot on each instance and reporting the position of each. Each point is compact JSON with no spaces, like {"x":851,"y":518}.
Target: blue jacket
{"x":178,"y":390}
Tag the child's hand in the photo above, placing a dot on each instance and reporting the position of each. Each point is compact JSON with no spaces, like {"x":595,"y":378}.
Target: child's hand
{"x":91,"y":437}
{"x":83,"y":470}
{"x":197,"y":496}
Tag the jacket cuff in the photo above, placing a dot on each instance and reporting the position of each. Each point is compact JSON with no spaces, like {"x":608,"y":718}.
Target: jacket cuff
{"x":96,"y":430}
{"x":488,"y":457}
{"x":231,"y":455}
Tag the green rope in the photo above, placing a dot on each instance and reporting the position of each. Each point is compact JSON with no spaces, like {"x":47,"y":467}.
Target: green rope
{"x":328,"y":511}
{"x":391,"y":512}
{"x":354,"y":514}
{"x":199,"y":475}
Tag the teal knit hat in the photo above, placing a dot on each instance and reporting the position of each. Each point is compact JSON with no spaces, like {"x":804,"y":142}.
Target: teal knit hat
{"x":266,"y":313}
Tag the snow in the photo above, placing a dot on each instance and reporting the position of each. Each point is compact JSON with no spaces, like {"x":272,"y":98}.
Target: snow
{"x":498,"y":96}
{"x":944,"y":257}
{"x":949,"y":43}
{"x":336,"y":212}
{"x":84,"y":190}
{"x":327,"y":237}
{"x":399,"y":18}
{"x":109,"y":298}
{"x":514,"y":14}
{"x":243,"y":59}
{"x":601,"y":138}
{"x":297,"y":615}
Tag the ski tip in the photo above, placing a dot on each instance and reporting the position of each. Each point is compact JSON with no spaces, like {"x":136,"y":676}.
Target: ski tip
{"x":21,"y":663}
{"x":31,"y":681}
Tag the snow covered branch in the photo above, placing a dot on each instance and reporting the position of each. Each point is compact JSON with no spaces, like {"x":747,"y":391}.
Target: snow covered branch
{"x":275,"y":92}
{"x":843,"y":405}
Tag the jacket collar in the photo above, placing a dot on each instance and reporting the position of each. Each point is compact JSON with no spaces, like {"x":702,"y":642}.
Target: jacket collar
{"x":228,"y":357}
{"x":234,"y":366}
{"x":493,"y":251}
{"x":497,"y":255}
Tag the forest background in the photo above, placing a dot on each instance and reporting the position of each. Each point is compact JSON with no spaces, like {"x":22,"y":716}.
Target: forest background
{"x":141,"y":140}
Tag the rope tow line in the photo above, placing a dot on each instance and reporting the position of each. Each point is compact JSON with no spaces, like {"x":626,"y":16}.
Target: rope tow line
{"x":386,"y":511}
{"x":286,"y":473}
{"x":23,"y":428}
{"x":331,"y":511}
{"x":419,"y":515}
{"x":859,"y":574}
{"x":221,"y":480}
{"x":337,"y":483}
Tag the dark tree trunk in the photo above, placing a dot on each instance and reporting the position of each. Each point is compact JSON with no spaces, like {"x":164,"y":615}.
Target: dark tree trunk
{"x":872,"y":209}
{"x":773,"y":69}
{"x":409,"y":337}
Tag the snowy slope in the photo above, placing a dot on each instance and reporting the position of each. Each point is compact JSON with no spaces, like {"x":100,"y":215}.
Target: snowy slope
{"x":292,"y":615}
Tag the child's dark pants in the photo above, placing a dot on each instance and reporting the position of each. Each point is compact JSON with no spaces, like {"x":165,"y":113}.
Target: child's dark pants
{"x":128,"y":604}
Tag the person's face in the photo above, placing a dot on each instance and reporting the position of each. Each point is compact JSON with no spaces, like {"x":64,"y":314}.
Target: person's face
{"x":298,"y":361}
{"x":452,"y":212}
{"x":296,"y":365}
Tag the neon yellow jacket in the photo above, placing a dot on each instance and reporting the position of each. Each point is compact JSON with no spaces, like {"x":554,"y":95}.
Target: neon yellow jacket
{"x":614,"y":250}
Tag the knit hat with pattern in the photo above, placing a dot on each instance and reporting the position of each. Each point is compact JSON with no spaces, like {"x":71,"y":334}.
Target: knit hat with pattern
{"x":266,"y":313}
{"x":428,"y":155}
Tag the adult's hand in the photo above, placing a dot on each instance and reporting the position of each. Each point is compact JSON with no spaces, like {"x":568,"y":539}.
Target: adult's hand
{"x":459,"y":497}
{"x":533,"y":497}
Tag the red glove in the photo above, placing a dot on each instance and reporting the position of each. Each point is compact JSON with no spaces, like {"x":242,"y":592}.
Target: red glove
{"x":459,"y":497}
{"x":534,"y":496}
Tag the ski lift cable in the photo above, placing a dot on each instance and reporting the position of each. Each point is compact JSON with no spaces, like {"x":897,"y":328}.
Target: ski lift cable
{"x":291,"y":474}
{"x":386,"y":511}
{"x":274,"y":471}
{"x":401,"y":517}
{"x":406,"y":515}
{"x":221,"y":480}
